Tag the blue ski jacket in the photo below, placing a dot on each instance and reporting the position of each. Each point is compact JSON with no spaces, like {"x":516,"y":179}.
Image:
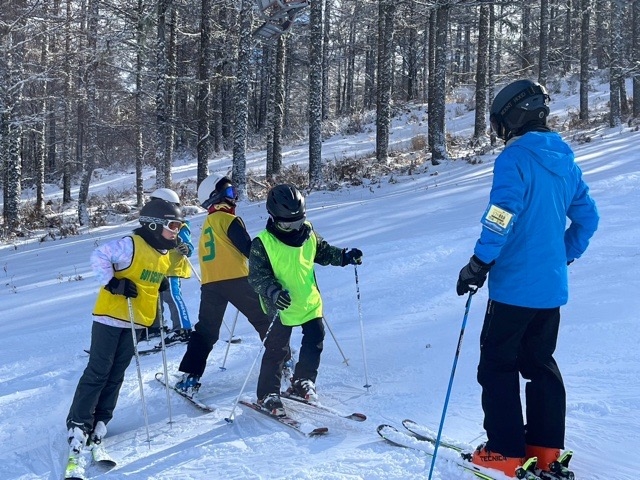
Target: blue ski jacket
{"x":536,"y":186}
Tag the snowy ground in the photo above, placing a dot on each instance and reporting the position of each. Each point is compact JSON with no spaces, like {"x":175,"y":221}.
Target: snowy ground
{"x":416,"y":234}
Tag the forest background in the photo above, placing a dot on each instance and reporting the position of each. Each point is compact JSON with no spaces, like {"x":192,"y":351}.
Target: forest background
{"x":87,"y":85}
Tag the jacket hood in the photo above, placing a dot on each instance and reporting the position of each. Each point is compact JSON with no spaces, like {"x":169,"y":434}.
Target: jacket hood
{"x":548,"y":149}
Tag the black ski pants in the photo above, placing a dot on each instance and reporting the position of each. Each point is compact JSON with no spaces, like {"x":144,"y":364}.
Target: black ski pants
{"x":277,"y":352}
{"x":214,"y":298}
{"x":98,"y":389}
{"x":519,"y":340}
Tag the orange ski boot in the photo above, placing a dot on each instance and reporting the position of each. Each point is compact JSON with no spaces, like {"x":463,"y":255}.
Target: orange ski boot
{"x":488,"y":459}
{"x":546,"y":455}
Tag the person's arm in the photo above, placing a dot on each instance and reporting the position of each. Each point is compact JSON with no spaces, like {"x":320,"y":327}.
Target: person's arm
{"x":584,"y":221}
{"x":185,"y":236}
{"x":237,"y":233}
{"x":261,"y":275}
{"x":327,"y":254}
{"x":263,"y":280}
{"x":117,"y":254}
{"x":506,"y":201}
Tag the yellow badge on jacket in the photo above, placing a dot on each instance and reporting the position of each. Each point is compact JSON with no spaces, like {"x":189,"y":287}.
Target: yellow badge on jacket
{"x":497,"y":219}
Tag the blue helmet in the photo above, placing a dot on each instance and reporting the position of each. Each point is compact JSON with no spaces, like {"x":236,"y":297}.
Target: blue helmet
{"x":518,"y":104}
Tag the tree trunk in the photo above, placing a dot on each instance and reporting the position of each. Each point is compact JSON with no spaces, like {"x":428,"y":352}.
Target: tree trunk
{"x":543,"y":59}
{"x":278,"y":105}
{"x":636,"y":58}
{"x":385,"y":78}
{"x":204,"y":90}
{"x":480,"y":125}
{"x":92,"y":111}
{"x":437,"y":114}
{"x":584,"y":59}
{"x":239,"y":172}
{"x":163,"y":173}
{"x":315,"y":93}
{"x":615,"y":65}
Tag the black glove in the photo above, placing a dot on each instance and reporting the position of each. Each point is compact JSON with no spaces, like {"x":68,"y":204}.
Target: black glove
{"x":473,"y":273}
{"x":280,"y":298}
{"x":122,"y":286}
{"x":183,"y":248}
{"x":164,"y":285}
{"x":352,"y":257}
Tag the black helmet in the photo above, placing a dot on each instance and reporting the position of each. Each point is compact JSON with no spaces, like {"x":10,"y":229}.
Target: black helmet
{"x":160,"y":212}
{"x":286,"y":207}
{"x":217,"y":189}
{"x":520,"y":103}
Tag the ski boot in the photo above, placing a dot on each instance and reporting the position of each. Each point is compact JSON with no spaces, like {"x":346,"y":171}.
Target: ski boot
{"x":303,"y":388}
{"x":189,"y":384}
{"x":273,"y":404}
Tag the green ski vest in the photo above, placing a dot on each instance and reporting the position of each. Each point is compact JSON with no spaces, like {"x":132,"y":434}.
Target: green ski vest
{"x":294,"y":269}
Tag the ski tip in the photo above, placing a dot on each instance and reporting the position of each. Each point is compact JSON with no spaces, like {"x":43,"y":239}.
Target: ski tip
{"x":318,"y":431}
{"x":385,"y":426}
{"x":358,"y":417}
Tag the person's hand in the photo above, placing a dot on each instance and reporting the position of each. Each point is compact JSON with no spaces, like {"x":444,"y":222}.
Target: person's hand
{"x":352,"y":257}
{"x":183,"y":248}
{"x":474,"y":274}
{"x":280,"y":298}
{"x":122,"y":286}
{"x":164,"y":285}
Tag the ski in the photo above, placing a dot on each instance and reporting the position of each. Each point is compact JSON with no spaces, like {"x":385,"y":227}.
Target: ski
{"x":304,"y":428}
{"x":101,"y":457}
{"x":423,"y":433}
{"x":75,"y":467}
{"x":158,"y":348}
{"x":461,"y":459}
{"x":357,"y":417}
{"x":193,"y":400}
{"x":558,"y":470}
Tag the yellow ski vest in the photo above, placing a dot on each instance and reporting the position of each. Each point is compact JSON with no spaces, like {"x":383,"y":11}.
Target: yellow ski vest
{"x":148,"y":268}
{"x":179,"y":265}
{"x":293,"y":267}
{"x":219,"y":258}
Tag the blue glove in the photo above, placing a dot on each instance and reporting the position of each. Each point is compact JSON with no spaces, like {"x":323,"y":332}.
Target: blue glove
{"x":123,"y":287}
{"x":352,"y":257}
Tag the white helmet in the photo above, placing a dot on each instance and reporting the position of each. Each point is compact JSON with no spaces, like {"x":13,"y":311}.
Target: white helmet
{"x":212,"y":191}
{"x":167,"y":195}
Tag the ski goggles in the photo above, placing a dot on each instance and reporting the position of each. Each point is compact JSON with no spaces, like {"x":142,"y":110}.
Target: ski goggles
{"x":173,"y":225}
{"x":289,"y":226}
{"x":230,"y":192}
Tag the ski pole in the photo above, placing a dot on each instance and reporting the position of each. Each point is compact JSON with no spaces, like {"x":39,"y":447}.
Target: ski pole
{"x":200,"y":280}
{"x":135,"y":350}
{"x":164,"y":363}
{"x":453,"y":371}
{"x":233,"y":329}
{"x":364,"y":351}
{"x":345,"y":360}
{"x":229,"y":419}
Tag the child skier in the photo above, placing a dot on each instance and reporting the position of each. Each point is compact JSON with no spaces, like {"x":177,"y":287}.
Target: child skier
{"x":223,"y":251}
{"x":281,"y":270}
{"x":180,"y":268}
{"x":131,"y":269}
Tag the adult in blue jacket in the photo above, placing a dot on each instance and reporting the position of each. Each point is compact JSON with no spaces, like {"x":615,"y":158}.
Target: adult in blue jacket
{"x":527,"y":246}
